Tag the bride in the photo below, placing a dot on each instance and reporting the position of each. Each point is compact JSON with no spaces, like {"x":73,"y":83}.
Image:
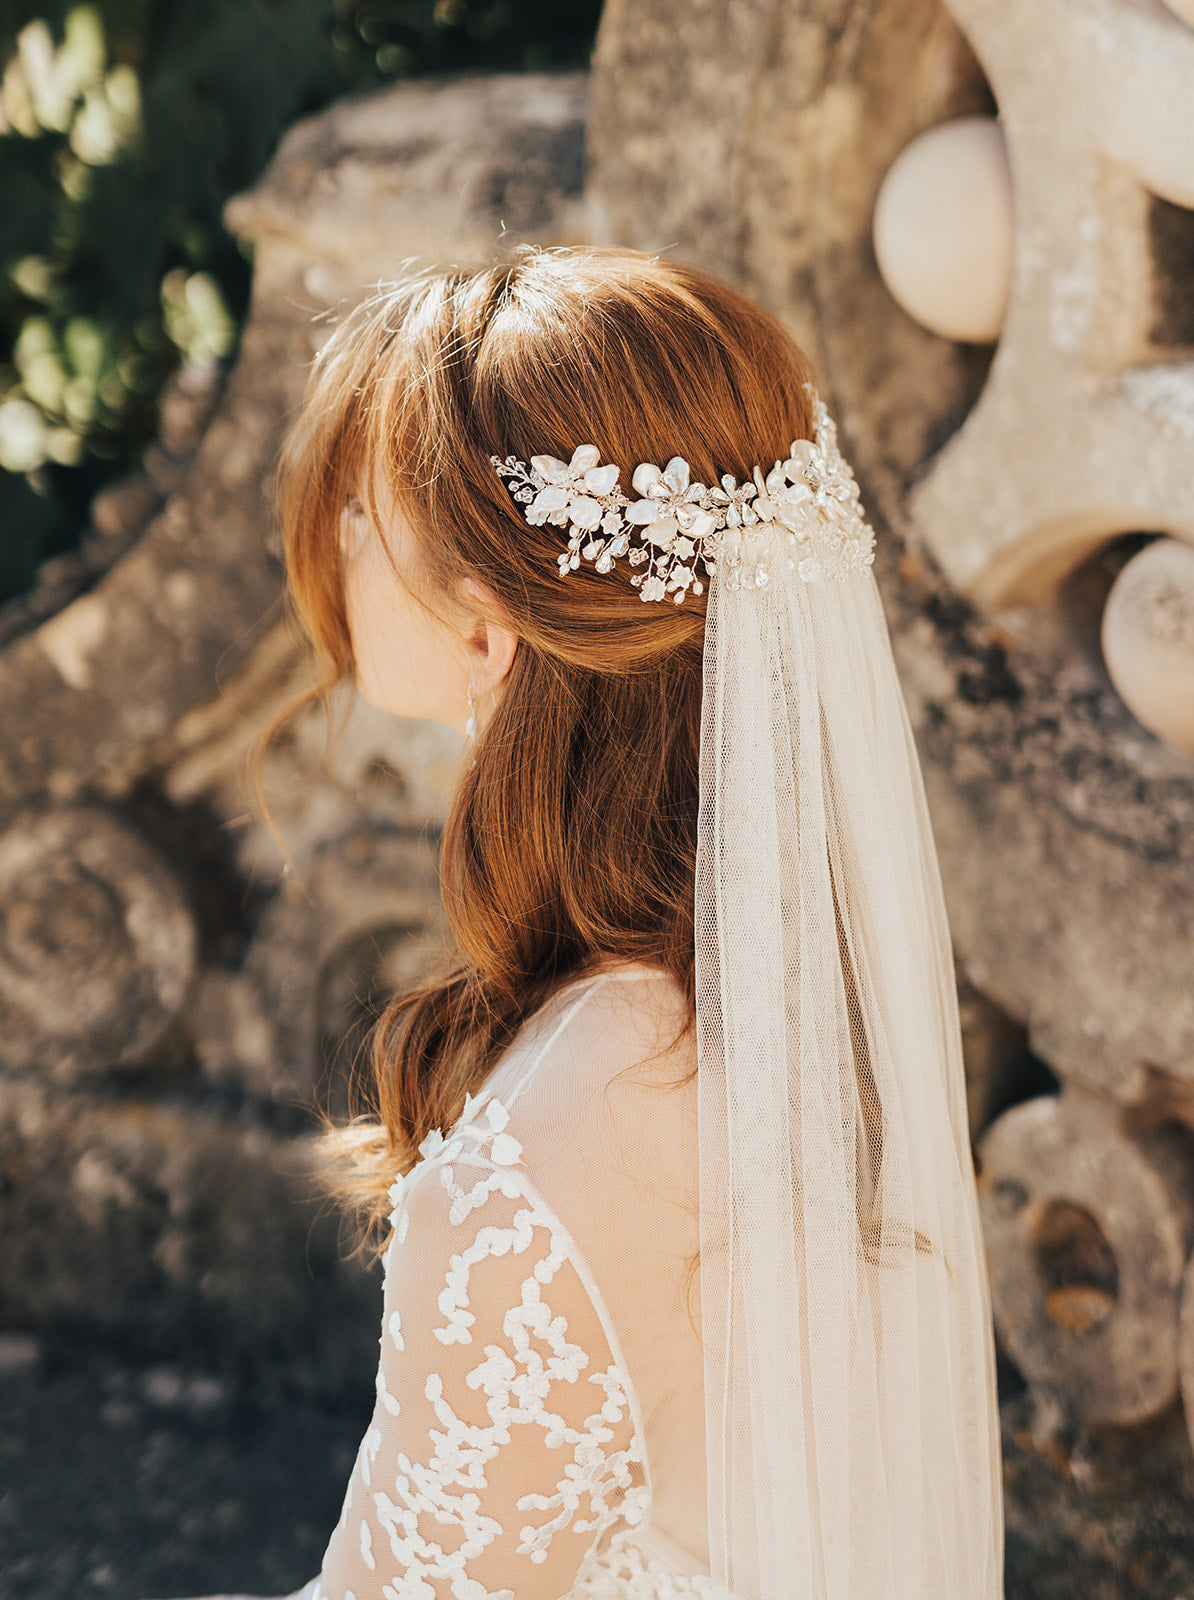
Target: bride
{"x":684,"y":1288}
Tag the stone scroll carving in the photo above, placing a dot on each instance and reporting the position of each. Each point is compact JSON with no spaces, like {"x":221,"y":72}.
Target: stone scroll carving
{"x":1102,"y":122}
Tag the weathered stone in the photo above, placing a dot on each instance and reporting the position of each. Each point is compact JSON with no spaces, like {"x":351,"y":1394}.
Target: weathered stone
{"x":97,"y":944}
{"x":124,"y":507}
{"x":1148,"y":639}
{"x":1185,"y":1347}
{"x":943,"y":229}
{"x":994,"y":1055}
{"x":327,"y":945}
{"x":119,"y":514}
{"x":1087,"y":1230}
{"x":117,"y":667}
{"x":187,"y":406}
{"x":324,"y":773}
{"x":179,"y":1234}
{"x":445,"y":172}
{"x":1007,"y":505}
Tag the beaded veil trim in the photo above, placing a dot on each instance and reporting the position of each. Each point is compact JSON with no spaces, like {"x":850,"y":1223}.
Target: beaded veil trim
{"x":805,"y":510}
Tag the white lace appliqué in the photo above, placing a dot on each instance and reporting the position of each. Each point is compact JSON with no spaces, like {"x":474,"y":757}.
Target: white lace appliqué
{"x":528,"y":1379}
{"x":624,"y":1571}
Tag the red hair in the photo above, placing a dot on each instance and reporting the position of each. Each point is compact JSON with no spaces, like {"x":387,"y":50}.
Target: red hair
{"x":572,"y":834}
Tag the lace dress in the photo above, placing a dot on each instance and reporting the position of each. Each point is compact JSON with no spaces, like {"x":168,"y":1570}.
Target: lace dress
{"x":539,"y":1430}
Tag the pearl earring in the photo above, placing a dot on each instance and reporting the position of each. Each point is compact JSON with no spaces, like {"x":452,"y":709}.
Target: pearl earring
{"x":470,"y":727}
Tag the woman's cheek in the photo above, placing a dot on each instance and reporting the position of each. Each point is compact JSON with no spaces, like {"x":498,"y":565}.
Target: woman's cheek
{"x":370,"y":628}
{"x":403,"y":660}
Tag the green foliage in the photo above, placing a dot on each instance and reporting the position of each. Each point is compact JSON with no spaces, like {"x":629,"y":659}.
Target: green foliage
{"x":125,"y":125}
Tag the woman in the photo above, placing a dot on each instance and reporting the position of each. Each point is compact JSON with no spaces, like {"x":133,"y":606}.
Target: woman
{"x":684,"y":1286}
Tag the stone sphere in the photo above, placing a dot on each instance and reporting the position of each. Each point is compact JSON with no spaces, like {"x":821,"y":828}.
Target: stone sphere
{"x":943,"y":229}
{"x":1148,"y":639}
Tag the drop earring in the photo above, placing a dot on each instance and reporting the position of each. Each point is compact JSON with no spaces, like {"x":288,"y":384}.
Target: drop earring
{"x":470,"y":727}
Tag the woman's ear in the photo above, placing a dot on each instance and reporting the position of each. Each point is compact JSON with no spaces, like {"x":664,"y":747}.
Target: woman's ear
{"x":490,"y":643}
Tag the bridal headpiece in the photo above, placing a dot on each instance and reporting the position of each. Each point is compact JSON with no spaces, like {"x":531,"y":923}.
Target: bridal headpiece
{"x":805,"y":511}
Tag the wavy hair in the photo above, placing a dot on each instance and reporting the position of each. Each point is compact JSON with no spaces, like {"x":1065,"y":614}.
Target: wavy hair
{"x":571,"y":838}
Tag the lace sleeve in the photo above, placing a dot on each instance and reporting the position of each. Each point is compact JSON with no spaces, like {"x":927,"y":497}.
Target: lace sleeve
{"x":502,"y":1445}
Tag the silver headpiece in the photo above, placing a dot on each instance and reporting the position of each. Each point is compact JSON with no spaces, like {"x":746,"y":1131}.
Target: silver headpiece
{"x":806,"y":511}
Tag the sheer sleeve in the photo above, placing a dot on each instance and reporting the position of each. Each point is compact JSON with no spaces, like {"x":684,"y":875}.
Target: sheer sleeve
{"x":503,"y":1443}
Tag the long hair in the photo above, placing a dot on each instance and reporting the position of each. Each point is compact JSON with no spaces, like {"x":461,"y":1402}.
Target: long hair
{"x":571,"y":837}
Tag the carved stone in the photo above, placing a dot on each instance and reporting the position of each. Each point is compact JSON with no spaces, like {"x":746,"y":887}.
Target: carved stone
{"x":445,"y":172}
{"x":365,"y":916}
{"x":1148,"y":639}
{"x":97,"y":944}
{"x":1087,"y":1232}
{"x":1008,"y":505}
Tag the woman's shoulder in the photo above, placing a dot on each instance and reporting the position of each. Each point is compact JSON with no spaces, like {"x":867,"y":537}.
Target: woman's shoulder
{"x":601,"y":1089}
{"x":630,"y":1000}
{"x":598,"y":1090}
{"x":617,"y":1019}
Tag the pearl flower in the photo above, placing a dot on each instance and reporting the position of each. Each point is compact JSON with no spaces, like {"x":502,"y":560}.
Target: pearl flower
{"x":671,"y":504}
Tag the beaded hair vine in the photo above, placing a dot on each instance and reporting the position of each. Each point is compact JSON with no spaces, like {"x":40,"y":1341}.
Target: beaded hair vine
{"x":806,"y":510}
